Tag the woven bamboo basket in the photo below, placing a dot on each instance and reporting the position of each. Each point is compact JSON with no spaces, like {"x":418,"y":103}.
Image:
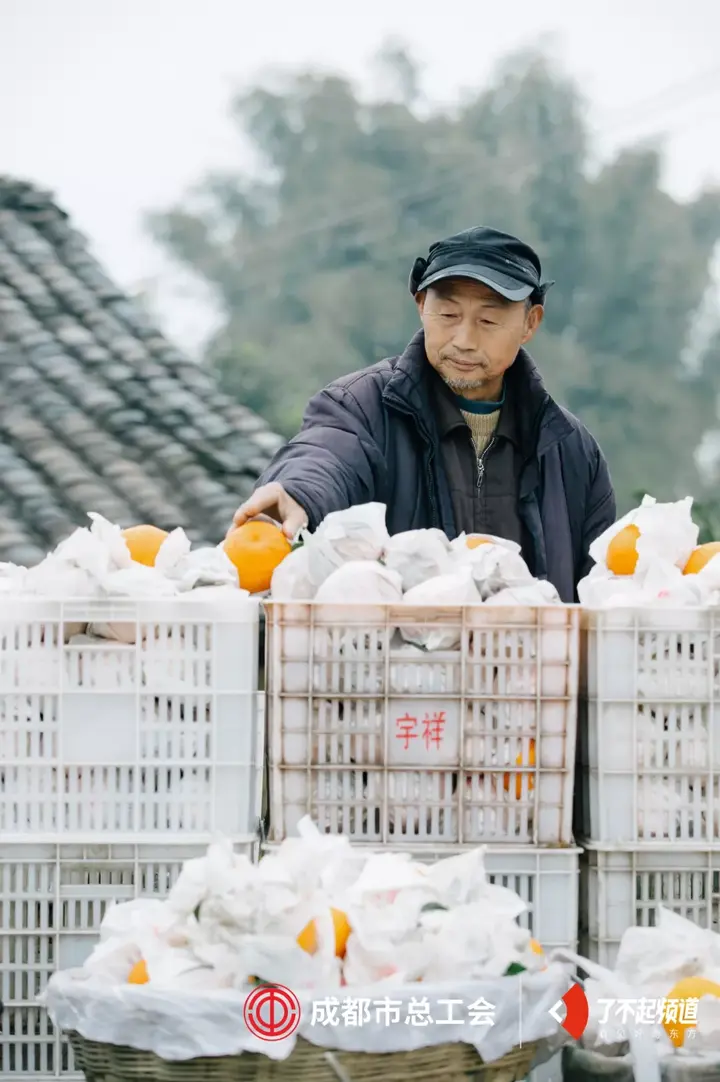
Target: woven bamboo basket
{"x":307,"y":1063}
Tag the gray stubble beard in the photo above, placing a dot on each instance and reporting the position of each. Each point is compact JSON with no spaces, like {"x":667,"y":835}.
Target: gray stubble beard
{"x":460,"y":385}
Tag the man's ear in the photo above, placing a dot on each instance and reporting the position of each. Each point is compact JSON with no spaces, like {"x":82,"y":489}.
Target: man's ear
{"x":532,"y":321}
{"x":420,"y":301}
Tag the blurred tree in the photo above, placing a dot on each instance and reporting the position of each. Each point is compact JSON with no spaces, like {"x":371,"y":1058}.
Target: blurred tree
{"x":309,"y":255}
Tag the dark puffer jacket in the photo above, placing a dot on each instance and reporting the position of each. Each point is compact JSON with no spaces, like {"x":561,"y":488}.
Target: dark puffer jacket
{"x":372,"y":436}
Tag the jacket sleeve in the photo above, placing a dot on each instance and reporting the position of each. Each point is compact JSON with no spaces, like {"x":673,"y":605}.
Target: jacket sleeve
{"x":334,"y":462}
{"x":601,"y":511}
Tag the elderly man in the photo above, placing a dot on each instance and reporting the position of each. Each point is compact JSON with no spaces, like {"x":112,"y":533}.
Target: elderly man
{"x":458,"y":432}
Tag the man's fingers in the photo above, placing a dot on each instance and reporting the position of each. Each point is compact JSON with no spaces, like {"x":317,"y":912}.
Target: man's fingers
{"x":249,"y":518}
{"x":283,"y":509}
{"x":294,"y":519}
{"x":260,"y":501}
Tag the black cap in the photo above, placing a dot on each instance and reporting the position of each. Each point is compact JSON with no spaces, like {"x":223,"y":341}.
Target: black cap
{"x":496,"y":259}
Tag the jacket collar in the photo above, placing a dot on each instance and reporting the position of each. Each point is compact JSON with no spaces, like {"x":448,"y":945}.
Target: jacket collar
{"x":539,"y":423}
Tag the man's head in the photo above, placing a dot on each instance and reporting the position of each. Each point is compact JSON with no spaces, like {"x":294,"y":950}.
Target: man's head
{"x":480,"y":296}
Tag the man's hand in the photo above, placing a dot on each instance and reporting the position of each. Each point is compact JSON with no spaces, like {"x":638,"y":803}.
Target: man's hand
{"x":272,"y":503}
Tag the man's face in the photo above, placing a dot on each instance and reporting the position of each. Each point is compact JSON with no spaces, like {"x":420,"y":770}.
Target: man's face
{"x":472,"y":335}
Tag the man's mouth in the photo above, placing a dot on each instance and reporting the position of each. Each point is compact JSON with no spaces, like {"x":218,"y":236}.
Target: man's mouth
{"x":465,"y":366}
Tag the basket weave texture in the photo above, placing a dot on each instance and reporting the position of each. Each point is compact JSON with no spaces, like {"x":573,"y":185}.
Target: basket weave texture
{"x":307,"y":1063}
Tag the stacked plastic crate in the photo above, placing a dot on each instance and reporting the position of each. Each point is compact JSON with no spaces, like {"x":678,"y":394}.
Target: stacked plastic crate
{"x":432,"y":750}
{"x":118,"y":760}
{"x":650,"y":757}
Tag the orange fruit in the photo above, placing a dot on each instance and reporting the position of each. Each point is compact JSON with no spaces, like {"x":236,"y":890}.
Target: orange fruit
{"x":307,"y":938}
{"x":144,"y":543}
{"x":519,"y":777}
{"x":688,"y":988}
{"x":256,"y":549}
{"x":139,"y":973}
{"x":536,"y":949}
{"x":622,"y":556}
{"x":701,"y":556}
{"x":475,"y":542}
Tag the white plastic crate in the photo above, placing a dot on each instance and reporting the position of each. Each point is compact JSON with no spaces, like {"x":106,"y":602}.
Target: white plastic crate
{"x":649,"y":736}
{"x":620,"y":888}
{"x":52,"y":901}
{"x":384,"y":744}
{"x":545,"y":879}
{"x":157,"y":735}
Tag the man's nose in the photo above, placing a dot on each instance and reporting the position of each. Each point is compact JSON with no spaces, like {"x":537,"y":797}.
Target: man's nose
{"x":465,"y":337}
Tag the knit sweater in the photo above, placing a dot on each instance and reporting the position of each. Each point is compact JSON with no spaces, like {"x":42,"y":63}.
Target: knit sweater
{"x":482,"y":420}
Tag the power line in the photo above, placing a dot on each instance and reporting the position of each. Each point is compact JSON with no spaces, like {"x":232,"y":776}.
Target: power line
{"x":673,"y":94}
{"x":261,"y":255}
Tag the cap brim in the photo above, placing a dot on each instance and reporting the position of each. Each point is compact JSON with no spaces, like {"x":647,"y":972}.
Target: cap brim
{"x":507,"y":287}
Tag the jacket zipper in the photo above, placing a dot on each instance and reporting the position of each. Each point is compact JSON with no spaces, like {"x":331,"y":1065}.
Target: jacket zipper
{"x":481,"y":464}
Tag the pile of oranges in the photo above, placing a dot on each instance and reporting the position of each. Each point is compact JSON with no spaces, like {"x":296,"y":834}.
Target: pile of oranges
{"x":307,"y":940}
{"x":622,"y":554}
{"x":255,"y":549}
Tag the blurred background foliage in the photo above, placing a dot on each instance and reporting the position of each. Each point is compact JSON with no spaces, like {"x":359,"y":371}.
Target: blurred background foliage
{"x":308,"y":254}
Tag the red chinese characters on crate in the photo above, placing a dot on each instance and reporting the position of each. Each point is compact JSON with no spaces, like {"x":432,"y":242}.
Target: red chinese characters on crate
{"x":432,"y":729}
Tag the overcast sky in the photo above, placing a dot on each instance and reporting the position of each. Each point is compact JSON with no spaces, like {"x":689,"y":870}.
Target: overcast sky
{"x":120,"y":105}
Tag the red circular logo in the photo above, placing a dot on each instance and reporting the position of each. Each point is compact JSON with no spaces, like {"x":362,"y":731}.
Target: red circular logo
{"x":272,"y":1012}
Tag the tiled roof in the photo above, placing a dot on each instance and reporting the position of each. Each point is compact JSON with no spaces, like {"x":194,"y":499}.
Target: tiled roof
{"x":98,"y":412}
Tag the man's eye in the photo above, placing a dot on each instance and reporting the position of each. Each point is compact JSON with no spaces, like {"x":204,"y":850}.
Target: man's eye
{"x":448,"y":315}
{"x":488,"y":323}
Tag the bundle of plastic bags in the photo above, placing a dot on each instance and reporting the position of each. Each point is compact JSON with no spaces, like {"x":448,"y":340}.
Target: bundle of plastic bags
{"x":661,"y":1002}
{"x":648,"y":557}
{"x":95,"y":564}
{"x":326,"y":920}
{"x":318,"y":913}
{"x":352,"y":559}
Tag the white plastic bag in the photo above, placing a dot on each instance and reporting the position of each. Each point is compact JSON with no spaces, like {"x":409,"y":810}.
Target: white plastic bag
{"x":62,"y":579}
{"x":204,"y":567}
{"x":495,"y":568}
{"x":360,"y":582}
{"x":291,"y":579}
{"x":707,"y":581}
{"x":659,"y":584}
{"x":359,"y":533}
{"x":650,"y":962}
{"x":135,"y":581}
{"x":539,"y":592}
{"x":667,"y":534}
{"x":185,"y":1025}
{"x":465,"y":545}
{"x":227,"y":920}
{"x":12,"y":579}
{"x":174,"y":549}
{"x":418,"y":555}
{"x":470,"y":940}
{"x":445,"y":591}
